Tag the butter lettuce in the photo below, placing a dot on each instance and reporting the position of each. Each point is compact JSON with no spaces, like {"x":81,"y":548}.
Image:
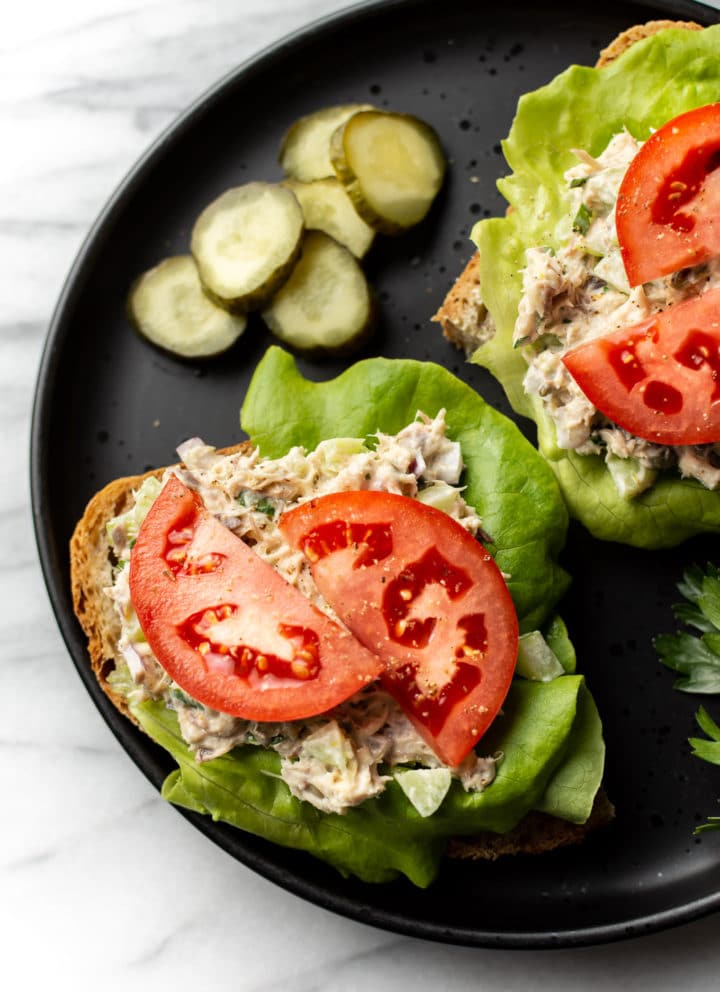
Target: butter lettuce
{"x":549,"y":733}
{"x":650,"y":83}
{"x":538,"y":733}
{"x":510,"y":487}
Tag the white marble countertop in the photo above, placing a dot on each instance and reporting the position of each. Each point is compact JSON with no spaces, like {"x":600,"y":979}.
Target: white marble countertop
{"x":91,"y":894}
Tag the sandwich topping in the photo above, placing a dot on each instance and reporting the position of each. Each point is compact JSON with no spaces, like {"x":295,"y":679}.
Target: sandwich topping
{"x":581,"y":293}
{"x":342,"y":757}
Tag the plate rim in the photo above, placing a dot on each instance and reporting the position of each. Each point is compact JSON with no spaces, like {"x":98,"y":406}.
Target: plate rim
{"x":149,"y":759}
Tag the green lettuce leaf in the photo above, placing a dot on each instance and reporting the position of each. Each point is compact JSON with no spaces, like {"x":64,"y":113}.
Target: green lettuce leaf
{"x":510,"y":487}
{"x":650,"y":83}
{"x":386,"y":836}
{"x":572,"y":788}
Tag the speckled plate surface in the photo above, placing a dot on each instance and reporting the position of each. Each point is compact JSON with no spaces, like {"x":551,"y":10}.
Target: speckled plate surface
{"x":109,"y":405}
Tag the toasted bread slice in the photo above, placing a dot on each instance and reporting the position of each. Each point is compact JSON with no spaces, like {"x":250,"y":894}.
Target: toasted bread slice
{"x":462,"y":311}
{"x":91,"y":568}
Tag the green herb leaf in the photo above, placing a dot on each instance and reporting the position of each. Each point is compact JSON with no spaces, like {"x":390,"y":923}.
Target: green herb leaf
{"x":265,"y":506}
{"x":713,"y":823}
{"x":708,"y":751}
{"x":696,"y":658}
{"x":692,"y":616}
{"x":691,"y":584}
{"x":260,"y":503}
{"x":583,"y":219}
{"x":707,"y":724}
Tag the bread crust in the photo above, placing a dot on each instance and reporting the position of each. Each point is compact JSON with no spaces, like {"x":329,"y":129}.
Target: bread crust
{"x":91,"y":574}
{"x":536,"y":833}
{"x":636,"y":33}
{"x":91,"y":568}
{"x":460,"y":312}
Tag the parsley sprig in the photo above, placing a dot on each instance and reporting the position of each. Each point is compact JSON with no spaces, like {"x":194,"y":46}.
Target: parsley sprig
{"x":696,"y":657}
{"x":708,"y":750}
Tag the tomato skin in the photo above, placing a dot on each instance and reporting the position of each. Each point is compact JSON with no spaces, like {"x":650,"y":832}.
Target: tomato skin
{"x":668,"y":207}
{"x":659,"y":379}
{"x":259,"y":629}
{"x":433,"y":604}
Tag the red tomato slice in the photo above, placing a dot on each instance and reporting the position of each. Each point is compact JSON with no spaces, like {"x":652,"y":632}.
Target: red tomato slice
{"x":659,"y":379}
{"x":422,"y":593}
{"x":228,"y":628}
{"x":668,"y":207}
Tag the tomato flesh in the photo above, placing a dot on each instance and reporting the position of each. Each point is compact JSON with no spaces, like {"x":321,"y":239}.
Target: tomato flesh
{"x":227,"y":628}
{"x":659,"y":379}
{"x":668,"y":207}
{"x":418,"y":590}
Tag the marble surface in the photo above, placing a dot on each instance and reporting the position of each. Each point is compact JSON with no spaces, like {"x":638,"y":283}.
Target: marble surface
{"x":101,"y":883}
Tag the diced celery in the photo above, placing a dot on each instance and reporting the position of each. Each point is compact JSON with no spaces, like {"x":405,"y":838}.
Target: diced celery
{"x":439,"y":495}
{"x":335,"y":452}
{"x":612,"y":271}
{"x":630,"y":476}
{"x":536,"y":660}
{"x":329,"y":745}
{"x":425,"y":787}
{"x":132,"y":519}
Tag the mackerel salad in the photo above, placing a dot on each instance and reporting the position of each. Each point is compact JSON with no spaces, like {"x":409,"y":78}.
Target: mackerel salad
{"x":339,"y":759}
{"x":581,"y":292}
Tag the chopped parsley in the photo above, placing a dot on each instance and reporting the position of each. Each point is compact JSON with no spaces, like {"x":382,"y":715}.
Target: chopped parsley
{"x":260,"y":503}
{"x":178,"y":696}
{"x":583,"y":219}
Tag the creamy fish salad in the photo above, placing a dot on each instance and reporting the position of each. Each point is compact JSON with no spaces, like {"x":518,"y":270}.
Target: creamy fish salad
{"x":581,"y":292}
{"x":339,"y":759}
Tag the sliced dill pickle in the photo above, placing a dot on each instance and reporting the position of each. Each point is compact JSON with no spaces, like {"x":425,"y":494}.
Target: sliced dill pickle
{"x":327,"y":207}
{"x":326,"y":305}
{"x":168,"y":306}
{"x":305,"y":150}
{"x":246,"y":242}
{"x":392,"y":166}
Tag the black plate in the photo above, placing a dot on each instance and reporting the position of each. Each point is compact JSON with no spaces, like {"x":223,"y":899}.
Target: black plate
{"x":107,"y":404}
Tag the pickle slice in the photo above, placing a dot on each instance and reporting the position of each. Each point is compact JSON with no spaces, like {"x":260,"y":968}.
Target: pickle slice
{"x":305,"y":150}
{"x":245,"y":243}
{"x":167,"y":305}
{"x":392,"y":166}
{"x":327,"y":207}
{"x":326,"y":305}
